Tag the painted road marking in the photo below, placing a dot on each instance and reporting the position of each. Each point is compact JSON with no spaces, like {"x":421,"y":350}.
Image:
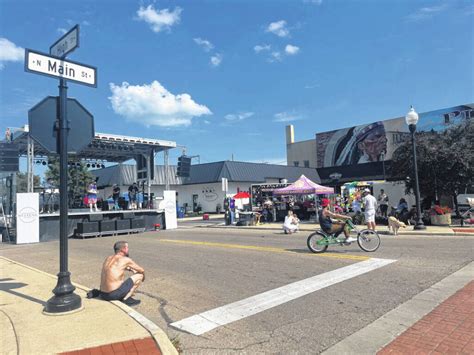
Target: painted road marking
{"x":269,"y":249}
{"x":206,"y":321}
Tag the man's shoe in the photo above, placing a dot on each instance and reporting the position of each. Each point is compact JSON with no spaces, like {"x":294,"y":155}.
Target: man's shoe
{"x":131,"y":301}
{"x":350,"y":240}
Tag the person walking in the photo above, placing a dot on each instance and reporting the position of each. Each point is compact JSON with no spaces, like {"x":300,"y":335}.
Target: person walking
{"x":370,"y":206}
{"x":383,"y":203}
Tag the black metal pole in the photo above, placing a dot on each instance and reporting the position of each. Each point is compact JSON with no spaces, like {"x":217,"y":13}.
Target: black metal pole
{"x":64,"y":299}
{"x":419,"y":223}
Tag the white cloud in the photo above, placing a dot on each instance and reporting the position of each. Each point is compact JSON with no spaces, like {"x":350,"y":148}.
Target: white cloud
{"x":216,"y":60}
{"x":286,"y":117}
{"x":275,"y":57}
{"x":159,"y":19}
{"x":260,"y":48}
{"x":153,"y":105}
{"x":9,"y":51}
{"x":238,"y":116}
{"x":316,"y":2}
{"x":425,"y":13}
{"x":278,"y":28}
{"x":204,"y":44}
{"x":61,"y":30}
{"x":291,"y":50}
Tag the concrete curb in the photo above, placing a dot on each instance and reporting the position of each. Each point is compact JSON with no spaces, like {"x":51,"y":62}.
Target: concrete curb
{"x":385,"y":329}
{"x":160,"y":337}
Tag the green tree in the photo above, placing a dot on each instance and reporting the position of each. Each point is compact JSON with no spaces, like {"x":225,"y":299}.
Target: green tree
{"x":445,"y":161}
{"x":22,"y":182}
{"x":79,"y":178}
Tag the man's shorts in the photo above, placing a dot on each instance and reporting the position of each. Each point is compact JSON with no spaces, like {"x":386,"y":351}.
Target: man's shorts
{"x":120,"y":293}
{"x":370,"y":216}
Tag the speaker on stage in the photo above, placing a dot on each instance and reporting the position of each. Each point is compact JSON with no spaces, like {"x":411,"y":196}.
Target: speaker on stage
{"x":138,"y":223}
{"x":107,"y":226}
{"x":96,"y":217}
{"x":129,"y":215}
{"x":87,"y":227}
{"x":105,"y":205}
{"x":122,"y":224}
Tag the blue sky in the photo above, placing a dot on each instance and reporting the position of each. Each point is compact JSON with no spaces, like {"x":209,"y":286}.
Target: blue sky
{"x":224,"y":78}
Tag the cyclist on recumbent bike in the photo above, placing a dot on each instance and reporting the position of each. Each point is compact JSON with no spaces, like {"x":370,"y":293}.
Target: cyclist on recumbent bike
{"x":333,"y":223}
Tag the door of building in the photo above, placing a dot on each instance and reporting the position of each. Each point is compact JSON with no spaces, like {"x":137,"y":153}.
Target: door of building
{"x":195,"y":203}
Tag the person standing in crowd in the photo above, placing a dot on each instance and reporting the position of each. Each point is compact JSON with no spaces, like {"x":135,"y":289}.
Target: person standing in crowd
{"x":115,"y":196}
{"x":383,"y":203}
{"x":132,"y":196}
{"x":92,"y":196}
{"x":113,"y":285}
{"x":370,"y":205}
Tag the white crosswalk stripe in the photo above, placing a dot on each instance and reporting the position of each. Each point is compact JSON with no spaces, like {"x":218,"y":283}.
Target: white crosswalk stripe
{"x":206,"y":321}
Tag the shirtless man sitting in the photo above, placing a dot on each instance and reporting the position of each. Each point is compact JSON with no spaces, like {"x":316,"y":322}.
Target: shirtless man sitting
{"x":112,"y":284}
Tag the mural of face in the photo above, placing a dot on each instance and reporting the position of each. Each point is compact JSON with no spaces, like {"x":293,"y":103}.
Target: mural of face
{"x":374,"y":144}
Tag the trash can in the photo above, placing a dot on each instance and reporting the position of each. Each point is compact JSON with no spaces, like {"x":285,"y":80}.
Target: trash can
{"x":181,"y":212}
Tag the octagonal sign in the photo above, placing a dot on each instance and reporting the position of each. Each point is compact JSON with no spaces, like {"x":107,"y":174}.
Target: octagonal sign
{"x":42,"y":120}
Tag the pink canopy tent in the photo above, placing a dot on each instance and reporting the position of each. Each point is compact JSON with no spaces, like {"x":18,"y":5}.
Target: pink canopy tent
{"x":304,"y":186}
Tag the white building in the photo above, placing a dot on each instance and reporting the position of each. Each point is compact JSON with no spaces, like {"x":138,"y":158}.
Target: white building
{"x":203,"y":188}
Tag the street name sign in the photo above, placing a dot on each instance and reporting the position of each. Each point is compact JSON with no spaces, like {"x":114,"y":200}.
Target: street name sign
{"x":66,"y":44}
{"x":40,"y":63}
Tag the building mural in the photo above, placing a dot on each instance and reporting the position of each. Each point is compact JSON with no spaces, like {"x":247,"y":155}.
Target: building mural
{"x":376,"y":142}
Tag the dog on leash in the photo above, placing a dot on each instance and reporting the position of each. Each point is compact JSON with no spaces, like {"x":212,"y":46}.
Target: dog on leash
{"x":394,"y":225}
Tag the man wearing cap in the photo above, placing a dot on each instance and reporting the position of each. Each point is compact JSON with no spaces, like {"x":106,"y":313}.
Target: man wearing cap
{"x":370,"y":205}
{"x":333,"y":223}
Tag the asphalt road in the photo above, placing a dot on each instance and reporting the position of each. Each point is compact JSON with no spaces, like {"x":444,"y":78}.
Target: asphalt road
{"x":189,"y":271}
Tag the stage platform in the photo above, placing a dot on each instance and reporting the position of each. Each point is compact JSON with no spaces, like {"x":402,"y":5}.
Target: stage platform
{"x":49,"y":222}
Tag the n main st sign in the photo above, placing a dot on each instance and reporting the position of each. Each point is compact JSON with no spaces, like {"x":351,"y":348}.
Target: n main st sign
{"x":40,"y":63}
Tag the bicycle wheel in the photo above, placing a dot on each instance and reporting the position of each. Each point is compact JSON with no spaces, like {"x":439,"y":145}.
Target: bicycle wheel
{"x":368,"y":240}
{"x":317,"y":242}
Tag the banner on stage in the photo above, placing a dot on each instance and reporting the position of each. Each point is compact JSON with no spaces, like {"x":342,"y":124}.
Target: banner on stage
{"x":27,"y":218}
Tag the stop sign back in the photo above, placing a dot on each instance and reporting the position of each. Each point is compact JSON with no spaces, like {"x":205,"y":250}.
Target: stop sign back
{"x":43,"y":118}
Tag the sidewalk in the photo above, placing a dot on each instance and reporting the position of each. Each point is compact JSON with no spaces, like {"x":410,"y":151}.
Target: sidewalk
{"x":448,"y":329}
{"x":439,"y":320}
{"x":307,"y":226}
{"x":98,"y":327}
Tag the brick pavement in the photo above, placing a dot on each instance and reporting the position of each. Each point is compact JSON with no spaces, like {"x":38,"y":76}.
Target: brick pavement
{"x":448,"y":329}
{"x":137,"y":346}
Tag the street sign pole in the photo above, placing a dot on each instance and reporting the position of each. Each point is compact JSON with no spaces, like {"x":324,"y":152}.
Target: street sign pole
{"x":64,"y":299}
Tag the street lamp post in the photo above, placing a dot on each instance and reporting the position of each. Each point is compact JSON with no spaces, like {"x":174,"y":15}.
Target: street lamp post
{"x":412,"y":119}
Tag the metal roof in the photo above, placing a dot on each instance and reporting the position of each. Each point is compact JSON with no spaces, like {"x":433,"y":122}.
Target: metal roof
{"x":234,"y":171}
{"x":109,"y":147}
{"x":125,"y":174}
{"x":247,"y":172}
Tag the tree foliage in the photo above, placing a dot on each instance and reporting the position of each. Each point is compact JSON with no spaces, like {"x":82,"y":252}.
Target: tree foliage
{"x":79,"y":178}
{"x":22,"y":182}
{"x":445,"y":161}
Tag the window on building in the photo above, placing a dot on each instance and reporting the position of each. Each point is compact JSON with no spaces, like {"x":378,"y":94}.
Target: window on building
{"x":306,"y":163}
{"x":296,"y":163}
